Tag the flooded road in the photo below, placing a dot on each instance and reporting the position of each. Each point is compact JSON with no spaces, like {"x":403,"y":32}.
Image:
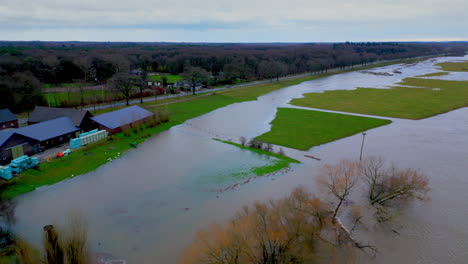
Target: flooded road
{"x":146,"y":206}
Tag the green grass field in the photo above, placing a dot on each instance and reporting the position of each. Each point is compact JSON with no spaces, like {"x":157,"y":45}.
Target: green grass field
{"x":71,"y":85}
{"x":400,"y":102}
{"x":74,"y":98}
{"x":303,"y":129}
{"x":433,"y":74}
{"x":461,"y":66}
{"x":170,"y":78}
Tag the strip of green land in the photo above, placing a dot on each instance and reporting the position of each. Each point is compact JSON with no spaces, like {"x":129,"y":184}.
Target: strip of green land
{"x":461,"y":66}
{"x":303,"y":129}
{"x":428,"y":97}
{"x":180,"y":110}
{"x":281,"y":162}
{"x":433,"y":74}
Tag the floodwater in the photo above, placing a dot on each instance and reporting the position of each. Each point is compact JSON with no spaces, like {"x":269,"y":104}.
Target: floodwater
{"x":146,"y":206}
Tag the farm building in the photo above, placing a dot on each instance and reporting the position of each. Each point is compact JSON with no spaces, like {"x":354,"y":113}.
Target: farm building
{"x":7,"y":119}
{"x":80,"y":118}
{"x":114,"y":121}
{"x":34,"y":138}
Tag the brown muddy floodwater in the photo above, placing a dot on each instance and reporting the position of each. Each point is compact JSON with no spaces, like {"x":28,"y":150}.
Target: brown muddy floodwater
{"x":146,"y":206}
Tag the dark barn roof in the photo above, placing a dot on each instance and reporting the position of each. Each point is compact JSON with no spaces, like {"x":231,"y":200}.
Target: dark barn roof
{"x":41,"y":114}
{"x":42,"y":131}
{"x":4,"y":136}
{"x":122,"y":117}
{"x":6,"y":115}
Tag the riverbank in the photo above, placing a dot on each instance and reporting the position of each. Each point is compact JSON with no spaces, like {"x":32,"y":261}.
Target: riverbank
{"x":180,"y":110}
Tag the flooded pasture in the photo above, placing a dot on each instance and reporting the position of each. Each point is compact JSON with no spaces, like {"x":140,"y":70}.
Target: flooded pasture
{"x":146,"y":206}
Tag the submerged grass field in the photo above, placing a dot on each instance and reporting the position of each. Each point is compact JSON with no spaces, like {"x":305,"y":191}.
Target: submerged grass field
{"x":280,"y":162}
{"x":461,"y":66}
{"x":431,"y":98}
{"x":303,"y":129}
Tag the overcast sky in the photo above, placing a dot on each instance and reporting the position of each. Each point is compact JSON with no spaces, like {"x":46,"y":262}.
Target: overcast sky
{"x":234,"y":21}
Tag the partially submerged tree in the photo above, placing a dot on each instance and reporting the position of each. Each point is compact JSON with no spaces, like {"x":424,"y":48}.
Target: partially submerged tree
{"x":68,"y":245}
{"x":338,"y":180}
{"x":387,"y":184}
{"x":282,"y":231}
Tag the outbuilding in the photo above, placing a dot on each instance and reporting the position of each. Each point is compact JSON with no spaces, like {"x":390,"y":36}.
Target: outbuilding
{"x":114,"y":121}
{"x":7,"y":119}
{"x":80,"y":118}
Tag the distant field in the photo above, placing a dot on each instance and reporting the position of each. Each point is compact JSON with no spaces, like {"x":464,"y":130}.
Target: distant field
{"x":400,"y":102}
{"x":303,"y":129}
{"x":433,"y":74}
{"x":170,"y":78}
{"x":74,"y":98}
{"x":48,"y":85}
{"x":461,"y":66}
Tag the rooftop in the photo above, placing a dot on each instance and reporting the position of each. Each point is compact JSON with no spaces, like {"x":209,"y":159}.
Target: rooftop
{"x":6,"y":115}
{"x":42,"y":113}
{"x":122,"y":117}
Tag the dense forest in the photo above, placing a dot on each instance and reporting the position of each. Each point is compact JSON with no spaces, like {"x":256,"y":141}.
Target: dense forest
{"x":26,"y":66}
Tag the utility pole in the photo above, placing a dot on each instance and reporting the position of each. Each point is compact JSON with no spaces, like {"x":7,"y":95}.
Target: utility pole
{"x":362,"y":145}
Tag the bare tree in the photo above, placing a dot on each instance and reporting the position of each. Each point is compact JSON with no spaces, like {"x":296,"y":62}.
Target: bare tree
{"x":195,"y":75}
{"x":387,"y":184}
{"x":338,"y":180}
{"x":142,"y":83}
{"x":124,"y":83}
{"x":282,"y":231}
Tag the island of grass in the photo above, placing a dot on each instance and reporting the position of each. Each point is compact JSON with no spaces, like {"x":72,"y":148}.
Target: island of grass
{"x":428,"y":97}
{"x":459,"y":66}
{"x":180,"y":109}
{"x":280,"y":162}
{"x":434,"y":74}
{"x":303,"y":129}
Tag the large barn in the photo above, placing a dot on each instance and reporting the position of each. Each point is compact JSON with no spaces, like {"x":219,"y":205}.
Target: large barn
{"x":114,"y":121}
{"x":35,"y":138}
{"x":80,"y":118}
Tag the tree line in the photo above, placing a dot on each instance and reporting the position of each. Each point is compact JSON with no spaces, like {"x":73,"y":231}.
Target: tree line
{"x":26,"y":66}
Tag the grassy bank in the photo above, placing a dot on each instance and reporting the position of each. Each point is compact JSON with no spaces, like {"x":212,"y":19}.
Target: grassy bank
{"x":281,"y":162}
{"x":180,"y":109}
{"x":303,"y":129}
{"x":433,"y":74}
{"x":429,"y":97}
{"x":461,"y":66}
{"x":80,"y":161}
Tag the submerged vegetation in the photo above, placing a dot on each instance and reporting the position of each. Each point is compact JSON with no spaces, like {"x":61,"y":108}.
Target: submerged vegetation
{"x":302,"y":227}
{"x":303,"y":129}
{"x":280,"y":162}
{"x":426,"y":98}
